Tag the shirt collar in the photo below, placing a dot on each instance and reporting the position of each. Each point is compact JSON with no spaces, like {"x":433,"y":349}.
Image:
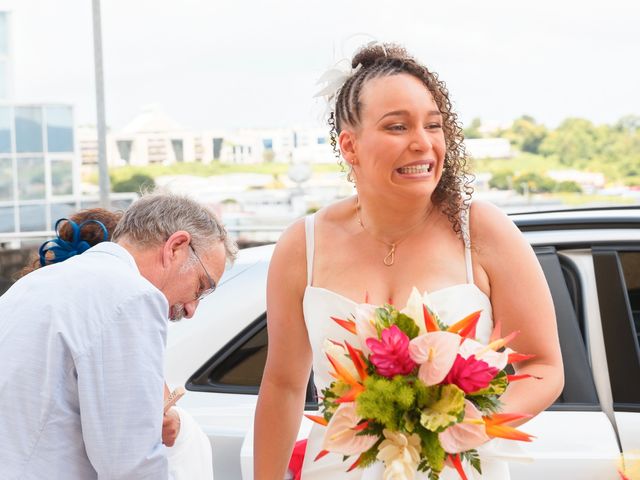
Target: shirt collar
{"x":111,"y":248}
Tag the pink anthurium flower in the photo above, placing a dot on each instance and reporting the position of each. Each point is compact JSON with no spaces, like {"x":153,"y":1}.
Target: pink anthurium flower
{"x":435,"y":352}
{"x":341,"y":435}
{"x":391,"y":353}
{"x":466,"y":435}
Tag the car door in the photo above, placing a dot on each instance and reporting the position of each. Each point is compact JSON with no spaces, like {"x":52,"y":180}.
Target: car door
{"x":574,"y":437}
{"x":617,"y":272}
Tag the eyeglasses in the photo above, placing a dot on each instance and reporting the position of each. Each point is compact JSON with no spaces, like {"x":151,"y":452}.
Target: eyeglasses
{"x":212,"y":284}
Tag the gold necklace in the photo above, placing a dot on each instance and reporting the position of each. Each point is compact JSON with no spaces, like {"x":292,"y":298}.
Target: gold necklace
{"x":390,"y":257}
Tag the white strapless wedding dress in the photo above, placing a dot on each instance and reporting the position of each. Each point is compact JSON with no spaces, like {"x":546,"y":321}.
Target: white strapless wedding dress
{"x":319,"y":304}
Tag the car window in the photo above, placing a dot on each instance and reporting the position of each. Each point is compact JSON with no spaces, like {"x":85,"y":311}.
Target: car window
{"x":238,"y":366}
{"x":630,"y":262}
{"x":245,"y":364}
{"x":579,"y":390}
{"x":617,"y":272}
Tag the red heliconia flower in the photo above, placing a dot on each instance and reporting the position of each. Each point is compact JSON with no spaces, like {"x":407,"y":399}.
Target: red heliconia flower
{"x":470,"y":374}
{"x":390,"y":354}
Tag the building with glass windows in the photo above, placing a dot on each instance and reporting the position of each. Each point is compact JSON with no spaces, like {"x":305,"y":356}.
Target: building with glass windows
{"x":38,"y":166}
{"x":39,"y":180}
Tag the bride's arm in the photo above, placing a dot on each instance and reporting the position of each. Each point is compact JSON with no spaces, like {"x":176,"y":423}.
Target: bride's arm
{"x":521,"y":301}
{"x":283,"y":387}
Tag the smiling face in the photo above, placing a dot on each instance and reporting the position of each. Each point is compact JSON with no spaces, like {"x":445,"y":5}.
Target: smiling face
{"x":399,"y":145}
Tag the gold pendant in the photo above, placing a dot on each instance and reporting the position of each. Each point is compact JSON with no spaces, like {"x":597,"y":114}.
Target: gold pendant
{"x":391,"y":256}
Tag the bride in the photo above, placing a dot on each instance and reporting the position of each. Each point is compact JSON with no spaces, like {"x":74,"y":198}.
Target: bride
{"x":411,"y":223}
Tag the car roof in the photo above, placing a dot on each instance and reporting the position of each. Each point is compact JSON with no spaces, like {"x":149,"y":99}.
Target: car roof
{"x":579,"y":218}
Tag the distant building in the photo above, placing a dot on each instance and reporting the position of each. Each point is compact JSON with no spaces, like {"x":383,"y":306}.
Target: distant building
{"x":38,"y":167}
{"x":39,"y":179}
{"x":479,"y":148}
{"x":153,"y":137}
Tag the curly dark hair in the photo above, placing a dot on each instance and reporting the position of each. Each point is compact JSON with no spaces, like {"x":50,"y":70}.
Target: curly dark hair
{"x":453,"y":192}
{"x":91,"y":233}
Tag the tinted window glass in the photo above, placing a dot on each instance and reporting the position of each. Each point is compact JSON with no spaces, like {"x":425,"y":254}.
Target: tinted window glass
{"x":245,"y":365}
{"x":631,"y":270}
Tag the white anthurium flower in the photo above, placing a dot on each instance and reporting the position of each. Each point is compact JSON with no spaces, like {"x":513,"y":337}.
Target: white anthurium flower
{"x":482,"y":352}
{"x":339,"y":353}
{"x":400,"y":454}
{"x":466,"y":435}
{"x":435,"y":352}
{"x":414,"y":309}
{"x":364,"y":317}
{"x":340,"y":436}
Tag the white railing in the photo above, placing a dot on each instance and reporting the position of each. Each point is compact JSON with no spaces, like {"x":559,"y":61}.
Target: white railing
{"x":244,"y":231}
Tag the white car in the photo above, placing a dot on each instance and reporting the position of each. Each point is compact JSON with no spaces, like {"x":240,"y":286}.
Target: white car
{"x":591,"y":259}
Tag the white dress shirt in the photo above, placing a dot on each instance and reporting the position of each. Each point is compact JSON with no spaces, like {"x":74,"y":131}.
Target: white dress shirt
{"x":81,"y":371}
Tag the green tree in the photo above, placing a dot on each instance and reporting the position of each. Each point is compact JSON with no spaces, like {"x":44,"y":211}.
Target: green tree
{"x":501,"y":180}
{"x":574,"y":142}
{"x":136,"y":183}
{"x":473,"y":130}
{"x":534,"y":183}
{"x":525,"y":134}
{"x":568,"y":186}
{"x":629,"y":124}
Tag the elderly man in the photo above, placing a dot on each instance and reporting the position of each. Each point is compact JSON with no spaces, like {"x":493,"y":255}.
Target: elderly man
{"x":82,"y":345}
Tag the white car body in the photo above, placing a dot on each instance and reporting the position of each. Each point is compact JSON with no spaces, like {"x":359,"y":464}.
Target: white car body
{"x":579,"y":439}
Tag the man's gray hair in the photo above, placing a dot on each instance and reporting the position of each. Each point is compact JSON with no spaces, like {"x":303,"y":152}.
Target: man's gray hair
{"x":154,"y":217}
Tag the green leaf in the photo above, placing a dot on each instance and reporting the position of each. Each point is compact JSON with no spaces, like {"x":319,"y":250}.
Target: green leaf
{"x":487,"y":404}
{"x":431,"y":450}
{"x":407,"y":325}
{"x":473,"y":458}
{"x":446,"y":410}
{"x":369,"y":457}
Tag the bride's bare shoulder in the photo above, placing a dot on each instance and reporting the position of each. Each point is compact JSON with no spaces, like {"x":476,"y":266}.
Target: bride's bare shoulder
{"x":336,"y":214}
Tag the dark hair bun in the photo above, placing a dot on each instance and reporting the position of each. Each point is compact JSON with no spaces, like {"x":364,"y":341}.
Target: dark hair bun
{"x":378,"y":52}
{"x":91,"y":232}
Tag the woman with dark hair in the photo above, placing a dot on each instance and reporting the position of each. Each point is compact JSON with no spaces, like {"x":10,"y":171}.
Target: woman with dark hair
{"x":81,"y":231}
{"x":411,"y":223}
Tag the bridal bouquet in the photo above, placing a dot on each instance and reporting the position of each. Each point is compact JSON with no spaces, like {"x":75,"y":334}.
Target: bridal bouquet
{"x":415,"y":393}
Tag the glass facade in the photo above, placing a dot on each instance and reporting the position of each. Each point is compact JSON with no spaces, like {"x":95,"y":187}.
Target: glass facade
{"x":33,"y":218}
{"x":31,"y":184}
{"x":37,"y":166}
{"x":59,"y":129}
{"x":28,"y":129}
{"x":61,"y":177}
{"x":6,"y":179}
{"x":5,"y":130}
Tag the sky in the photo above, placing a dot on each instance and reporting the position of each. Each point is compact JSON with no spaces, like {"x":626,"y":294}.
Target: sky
{"x":233,"y":64}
